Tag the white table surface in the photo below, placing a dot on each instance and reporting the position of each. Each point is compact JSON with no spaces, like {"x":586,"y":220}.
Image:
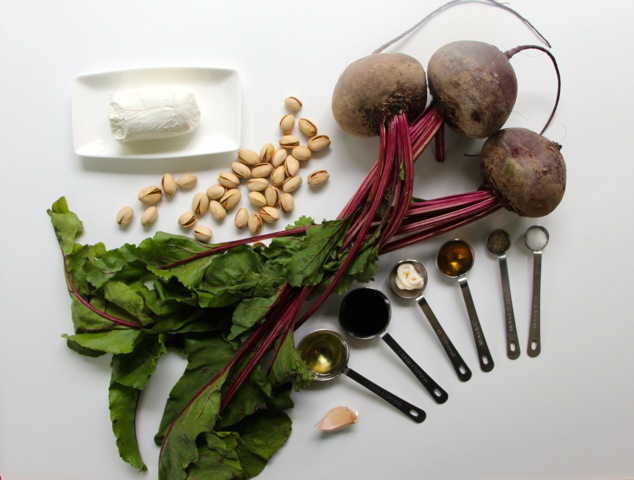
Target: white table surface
{"x":565,"y":414}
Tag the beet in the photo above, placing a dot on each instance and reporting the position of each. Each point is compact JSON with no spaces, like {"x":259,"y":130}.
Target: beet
{"x":526,"y":169}
{"x":376,"y":88}
{"x":473,"y":86}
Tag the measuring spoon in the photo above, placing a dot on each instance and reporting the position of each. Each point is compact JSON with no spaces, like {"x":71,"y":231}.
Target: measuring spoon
{"x":454,"y":259}
{"x":326,"y":354}
{"x":416,"y":292}
{"x":498,"y":242}
{"x":536,"y":238}
{"x":365,"y":313}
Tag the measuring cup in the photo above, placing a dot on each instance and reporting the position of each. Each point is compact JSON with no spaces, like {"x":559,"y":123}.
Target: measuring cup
{"x":326,"y":354}
{"x":498,"y":242}
{"x":365,"y":313}
{"x":459,"y":365}
{"x":536,"y":239}
{"x":454,"y":259}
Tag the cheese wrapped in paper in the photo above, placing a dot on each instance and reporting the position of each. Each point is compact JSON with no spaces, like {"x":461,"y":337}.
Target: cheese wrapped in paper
{"x":152,"y":113}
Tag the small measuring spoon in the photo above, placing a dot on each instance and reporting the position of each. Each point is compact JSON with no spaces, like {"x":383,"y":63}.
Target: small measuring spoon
{"x":459,"y":365}
{"x":365,"y":313}
{"x":498,"y":242}
{"x":536,"y":238}
{"x":454,"y":259}
{"x":326,"y":354}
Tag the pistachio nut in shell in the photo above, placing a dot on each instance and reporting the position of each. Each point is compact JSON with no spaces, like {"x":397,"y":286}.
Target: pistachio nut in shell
{"x":257,"y":199}
{"x":187,"y":181}
{"x":150,"y":195}
{"x":200,"y":203}
{"x":149,"y":216}
{"x":248,"y":157}
{"x":293,"y":104}
{"x":317,"y":178}
{"x":278,"y":176}
{"x":242,"y":218}
{"x":291,"y":166}
{"x":257,"y":184}
{"x":291,"y":184}
{"x":307,"y":127}
{"x":230,"y":199}
{"x":272,"y":195}
{"x":217,"y":210}
{"x":240,"y":169}
{"x":301,"y":153}
{"x":202,"y":233}
{"x":228,"y":180}
{"x":125,"y":216}
{"x":279,"y":156}
{"x":318,"y":143}
{"x":287,"y":202}
{"x":266,"y":152}
{"x":187,"y":220}
{"x":215,"y":192}
{"x":269,"y":214}
{"x":287,"y":124}
{"x":289,"y":141}
{"x":168,"y":184}
{"x":262,"y":170}
{"x":255,"y":223}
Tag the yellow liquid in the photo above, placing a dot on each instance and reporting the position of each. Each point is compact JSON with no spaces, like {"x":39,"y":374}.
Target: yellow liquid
{"x":325,"y":354}
{"x":455,"y":258}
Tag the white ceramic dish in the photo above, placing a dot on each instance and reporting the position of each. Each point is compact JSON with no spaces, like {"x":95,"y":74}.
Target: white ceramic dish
{"x":217,"y":91}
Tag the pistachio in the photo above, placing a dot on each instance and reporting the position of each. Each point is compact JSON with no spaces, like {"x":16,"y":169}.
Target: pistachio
{"x":293,"y":104}
{"x":287,"y":203}
{"x":272,"y":195}
{"x":202,"y":234}
{"x":216,"y":191}
{"x":168,"y":184}
{"x":150,"y":195}
{"x":242,"y":218}
{"x":187,"y":181}
{"x":228,"y":180}
{"x":240,"y":170}
{"x":317,"y":178}
{"x":149,"y":216}
{"x":200,"y":203}
{"x":307,"y":127}
{"x":257,"y":199}
{"x":187,"y":220}
{"x":248,"y":157}
{"x":291,"y":166}
{"x":257,"y":184}
{"x":255,"y":223}
{"x":287,"y":124}
{"x":269,"y":214}
{"x":301,"y":153}
{"x":230,"y":199}
{"x":318,"y":143}
{"x":278,"y":176}
{"x":289,"y":141}
{"x":266,"y":153}
{"x":217,"y":210}
{"x":262,"y":170}
{"x":291,"y":184}
{"x":278,"y":157}
{"x":125,"y":216}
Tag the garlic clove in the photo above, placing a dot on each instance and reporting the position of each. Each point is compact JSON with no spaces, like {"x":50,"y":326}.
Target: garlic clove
{"x":337,"y":418}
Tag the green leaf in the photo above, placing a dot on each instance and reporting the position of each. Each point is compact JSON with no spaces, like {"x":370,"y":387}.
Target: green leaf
{"x":261,"y":435}
{"x":306,"y":266}
{"x":249,"y":312}
{"x":288,"y":365}
{"x":123,"y":402}
{"x":135,"y":369}
{"x":115,"y":341}
{"x":217,"y":458}
{"x":66,"y":224}
{"x":121,"y":264}
{"x":129,"y":298}
{"x":179,"y":449}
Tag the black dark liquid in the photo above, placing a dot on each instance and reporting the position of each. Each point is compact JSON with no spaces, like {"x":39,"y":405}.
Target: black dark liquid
{"x":364,"y":312}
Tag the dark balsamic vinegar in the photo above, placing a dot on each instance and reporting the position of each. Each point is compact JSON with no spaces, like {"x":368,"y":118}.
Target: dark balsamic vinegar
{"x":364,"y":313}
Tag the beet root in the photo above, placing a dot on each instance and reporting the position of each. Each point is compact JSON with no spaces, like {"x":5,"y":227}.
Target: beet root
{"x":474,"y":87}
{"x":526,"y":169}
{"x":376,"y":88}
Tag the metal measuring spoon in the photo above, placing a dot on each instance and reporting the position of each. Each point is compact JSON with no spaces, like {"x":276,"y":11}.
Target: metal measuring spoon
{"x":365,"y":313}
{"x":536,"y":239}
{"x":454,"y":259}
{"x":459,"y":365}
{"x":326,"y":354}
{"x":498,"y":242}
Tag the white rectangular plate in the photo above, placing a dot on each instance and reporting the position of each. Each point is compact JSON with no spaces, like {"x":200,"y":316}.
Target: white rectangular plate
{"x":217,"y":91}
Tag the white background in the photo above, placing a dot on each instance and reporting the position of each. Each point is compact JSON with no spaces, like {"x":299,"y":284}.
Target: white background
{"x":566,"y":414}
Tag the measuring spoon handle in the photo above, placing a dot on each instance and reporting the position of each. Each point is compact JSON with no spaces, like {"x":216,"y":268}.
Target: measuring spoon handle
{"x":459,"y":365}
{"x":413,"y":412}
{"x":437,"y":393}
{"x":512,"y":342}
{"x":484,"y":355}
{"x":534,"y":336}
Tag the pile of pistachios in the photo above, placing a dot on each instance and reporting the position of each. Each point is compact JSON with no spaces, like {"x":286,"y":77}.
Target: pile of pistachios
{"x":270,"y":176}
